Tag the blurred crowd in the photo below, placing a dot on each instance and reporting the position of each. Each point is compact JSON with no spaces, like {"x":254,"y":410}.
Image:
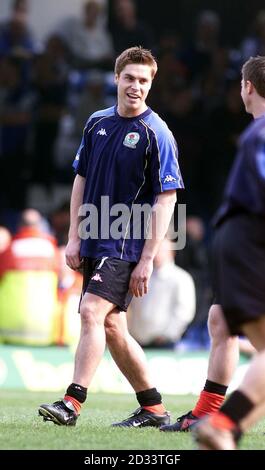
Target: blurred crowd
{"x":39,"y":294}
{"x":47,"y":92}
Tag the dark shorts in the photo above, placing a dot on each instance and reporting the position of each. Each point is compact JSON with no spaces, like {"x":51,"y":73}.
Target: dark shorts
{"x":108,"y":278}
{"x":239,"y":269}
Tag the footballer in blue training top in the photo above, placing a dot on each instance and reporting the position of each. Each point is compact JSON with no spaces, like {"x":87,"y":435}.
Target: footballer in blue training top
{"x":239,"y":268}
{"x":122,"y":202}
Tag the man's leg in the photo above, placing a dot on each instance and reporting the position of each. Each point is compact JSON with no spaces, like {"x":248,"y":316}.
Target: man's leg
{"x":244,"y":406}
{"x":223,"y":359}
{"x":222,"y":363}
{"x":90,"y":350}
{"x":131,"y":360}
{"x":92,"y":342}
{"x":126,"y":352}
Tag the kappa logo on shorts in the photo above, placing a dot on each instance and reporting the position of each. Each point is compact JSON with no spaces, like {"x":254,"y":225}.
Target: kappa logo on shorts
{"x":97,"y":278}
{"x":131,"y":140}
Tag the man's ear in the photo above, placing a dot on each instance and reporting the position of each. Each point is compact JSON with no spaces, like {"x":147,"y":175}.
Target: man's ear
{"x":250,"y":87}
{"x":116,"y":79}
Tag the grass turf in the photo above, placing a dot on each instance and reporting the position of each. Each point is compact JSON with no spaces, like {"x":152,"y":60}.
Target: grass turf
{"x":22,"y":428}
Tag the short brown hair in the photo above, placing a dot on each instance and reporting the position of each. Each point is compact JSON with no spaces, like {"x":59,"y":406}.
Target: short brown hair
{"x":253,"y":70}
{"x":135,"y":55}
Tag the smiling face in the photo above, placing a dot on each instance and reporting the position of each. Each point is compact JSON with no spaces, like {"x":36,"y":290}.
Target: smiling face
{"x":134,"y":83}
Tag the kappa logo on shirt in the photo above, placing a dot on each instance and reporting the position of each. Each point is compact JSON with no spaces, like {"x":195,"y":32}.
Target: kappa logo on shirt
{"x":169,"y":179}
{"x":102,"y":131}
{"x":97,"y":278}
{"x":131,"y":140}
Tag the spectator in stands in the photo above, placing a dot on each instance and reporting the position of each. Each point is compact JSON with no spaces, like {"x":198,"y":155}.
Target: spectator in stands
{"x":5,"y":239}
{"x":87,"y":39}
{"x":60,"y":222}
{"x":67,"y":329}
{"x":67,"y":326}
{"x":199,"y":54}
{"x":255,"y":44}
{"x":126,"y":29}
{"x":58,"y":55}
{"x":28,"y":284}
{"x":195,"y":259}
{"x":224,"y":123}
{"x":91,"y":98}
{"x":171,"y":69}
{"x":183,"y":115}
{"x":16,"y":105}
{"x":51,"y":95}
{"x":16,"y":39}
{"x":160,"y":318}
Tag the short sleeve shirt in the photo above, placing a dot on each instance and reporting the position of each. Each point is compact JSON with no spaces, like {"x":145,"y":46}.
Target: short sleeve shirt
{"x":126,"y":163}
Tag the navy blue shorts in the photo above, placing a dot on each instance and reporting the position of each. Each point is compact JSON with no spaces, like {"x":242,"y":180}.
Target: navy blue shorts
{"x":239,"y":269}
{"x":108,"y":278}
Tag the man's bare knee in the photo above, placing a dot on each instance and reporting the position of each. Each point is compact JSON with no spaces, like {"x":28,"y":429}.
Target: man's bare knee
{"x":114,"y":328}
{"x":217,"y":326}
{"x":90,"y":317}
{"x":110,"y":327}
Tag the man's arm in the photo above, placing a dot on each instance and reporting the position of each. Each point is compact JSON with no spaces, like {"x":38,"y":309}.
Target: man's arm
{"x":161,"y":215}
{"x":72,"y":251}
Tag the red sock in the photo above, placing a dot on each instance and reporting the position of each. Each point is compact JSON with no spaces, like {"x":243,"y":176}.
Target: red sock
{"x":76,"y":404}
{"x":221,"y":421}
{"x":158,"y":409}
{"x":208,"y":403}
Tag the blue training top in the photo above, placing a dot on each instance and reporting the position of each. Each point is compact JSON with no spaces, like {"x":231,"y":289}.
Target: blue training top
{"x":129,"y":161}
{"x":245,"y":189}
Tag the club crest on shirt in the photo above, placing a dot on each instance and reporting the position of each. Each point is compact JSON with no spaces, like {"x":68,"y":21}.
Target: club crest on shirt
{"x":131,"y":140}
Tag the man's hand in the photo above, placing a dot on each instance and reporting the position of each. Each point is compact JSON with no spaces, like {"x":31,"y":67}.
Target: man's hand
{"x":140,"y":277}
{"x":72,"y":254}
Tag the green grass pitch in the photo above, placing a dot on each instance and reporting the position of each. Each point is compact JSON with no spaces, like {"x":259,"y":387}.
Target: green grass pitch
{"x":22,"y":428}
